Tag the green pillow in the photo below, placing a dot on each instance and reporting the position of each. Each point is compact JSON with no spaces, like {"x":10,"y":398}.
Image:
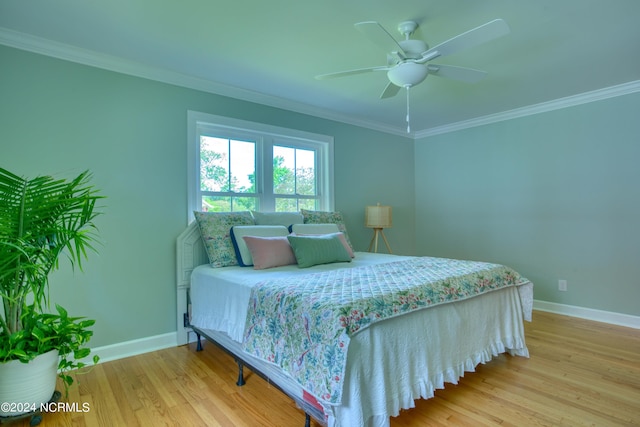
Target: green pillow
{"x":314,"y":250}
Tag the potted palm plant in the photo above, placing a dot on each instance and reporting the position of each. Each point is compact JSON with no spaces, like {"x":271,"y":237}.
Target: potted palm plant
{"x":41,"y":219}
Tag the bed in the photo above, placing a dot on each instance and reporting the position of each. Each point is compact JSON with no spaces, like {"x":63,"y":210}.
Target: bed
{"x":386,"y":364}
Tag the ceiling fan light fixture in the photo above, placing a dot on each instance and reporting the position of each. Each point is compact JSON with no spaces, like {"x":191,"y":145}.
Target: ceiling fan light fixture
{"x":407,"y":74}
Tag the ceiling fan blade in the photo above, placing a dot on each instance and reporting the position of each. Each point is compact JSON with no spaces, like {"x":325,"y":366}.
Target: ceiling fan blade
{"x":477,"y":36}
{"x":350,"y":73}
{"x":378,"y":35}
{"x":390,"y":91}
{"x":467,"y":75}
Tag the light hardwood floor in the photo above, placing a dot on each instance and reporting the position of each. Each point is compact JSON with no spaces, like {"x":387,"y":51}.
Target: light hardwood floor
{"x":580,"y":373}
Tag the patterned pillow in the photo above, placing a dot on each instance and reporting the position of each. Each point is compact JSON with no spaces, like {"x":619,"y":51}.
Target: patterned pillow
{"x":215,"y":229}
{"x":320,"y":217}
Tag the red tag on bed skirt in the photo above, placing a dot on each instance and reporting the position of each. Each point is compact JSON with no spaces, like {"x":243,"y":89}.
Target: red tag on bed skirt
{"x":308,"y":397}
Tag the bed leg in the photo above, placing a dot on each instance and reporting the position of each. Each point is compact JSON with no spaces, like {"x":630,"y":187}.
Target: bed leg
{"x":199,"y":345}
{"x":307,"y":420}
{"x":240,"y":381}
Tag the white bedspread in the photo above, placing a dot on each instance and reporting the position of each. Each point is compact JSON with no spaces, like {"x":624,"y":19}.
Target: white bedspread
{"x":436,"y":345}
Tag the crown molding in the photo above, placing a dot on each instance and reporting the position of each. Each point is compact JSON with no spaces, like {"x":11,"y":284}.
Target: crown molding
{"x":569,"y":101}
{"x":78,"y":55}
{"x":82,"y":56}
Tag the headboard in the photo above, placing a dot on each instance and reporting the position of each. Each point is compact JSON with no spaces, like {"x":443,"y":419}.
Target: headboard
{"x":190,"y":253}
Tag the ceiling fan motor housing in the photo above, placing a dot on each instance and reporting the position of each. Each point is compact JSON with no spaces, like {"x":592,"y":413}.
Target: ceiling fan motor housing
{"x":407,"y":74}
{"x":413,"y":48}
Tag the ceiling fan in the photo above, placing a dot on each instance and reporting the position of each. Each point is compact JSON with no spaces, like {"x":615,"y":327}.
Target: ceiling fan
{"x":408,"y":60}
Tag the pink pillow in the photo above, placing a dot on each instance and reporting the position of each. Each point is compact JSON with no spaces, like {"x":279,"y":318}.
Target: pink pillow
{"x":268,"y":252}
{"x":340,"y":236}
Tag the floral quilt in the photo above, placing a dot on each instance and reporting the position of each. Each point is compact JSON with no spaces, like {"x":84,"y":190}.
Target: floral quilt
{"x":304,"y":326}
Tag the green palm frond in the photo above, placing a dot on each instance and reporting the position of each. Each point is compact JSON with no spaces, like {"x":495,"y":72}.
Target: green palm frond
{"x":41,"y":219}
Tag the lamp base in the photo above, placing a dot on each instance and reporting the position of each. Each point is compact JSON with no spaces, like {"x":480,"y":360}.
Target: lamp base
{"x":374,"y":240}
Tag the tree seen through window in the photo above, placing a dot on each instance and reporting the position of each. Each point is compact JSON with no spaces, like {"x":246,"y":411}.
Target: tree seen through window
{"x":228,"y":176}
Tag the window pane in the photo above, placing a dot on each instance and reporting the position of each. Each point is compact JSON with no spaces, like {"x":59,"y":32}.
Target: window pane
{"x":244,"y":204}
{"x":227,"y":165}
{"x":305,"y":172}
{"x":286,"y":205}
{"x":216,"y":204}
{"x":309,"y":204}
{"x":228,"y":203}
{"x":214,"y":164}
{"x":243,"y":166}
{"x":283,"y":167}
{"x":294,"y":171}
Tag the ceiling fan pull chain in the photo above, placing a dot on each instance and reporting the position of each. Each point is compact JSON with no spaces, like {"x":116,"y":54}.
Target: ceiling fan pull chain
{"x":408,"y":122}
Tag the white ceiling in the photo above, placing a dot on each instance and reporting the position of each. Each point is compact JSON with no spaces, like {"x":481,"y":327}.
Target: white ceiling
{"x":270,"y":51}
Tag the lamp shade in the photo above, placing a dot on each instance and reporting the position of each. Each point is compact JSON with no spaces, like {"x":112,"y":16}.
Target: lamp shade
{"x":378,"y":216}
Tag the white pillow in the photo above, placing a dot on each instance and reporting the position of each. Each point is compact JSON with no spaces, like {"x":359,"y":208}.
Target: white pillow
{"x":238,"y":232}
{"x":314,"y":228}
{"x":277,"y":218}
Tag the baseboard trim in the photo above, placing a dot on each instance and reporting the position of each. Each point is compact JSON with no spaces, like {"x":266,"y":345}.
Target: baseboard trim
{"x":613,"y":318}
{"x":121,"y":350}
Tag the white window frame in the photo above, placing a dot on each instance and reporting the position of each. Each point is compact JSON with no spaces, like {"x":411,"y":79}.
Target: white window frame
{"x":266,"y":136}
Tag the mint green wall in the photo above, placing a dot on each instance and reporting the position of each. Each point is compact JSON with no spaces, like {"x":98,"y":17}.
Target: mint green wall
{"x":60,"y":118}
{"x":555,"y":195}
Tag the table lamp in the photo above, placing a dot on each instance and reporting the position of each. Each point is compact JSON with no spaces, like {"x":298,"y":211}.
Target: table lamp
{"x":378,"y":217}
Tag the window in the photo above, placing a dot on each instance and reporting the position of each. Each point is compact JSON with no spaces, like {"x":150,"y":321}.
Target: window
{"x":236,"y":165}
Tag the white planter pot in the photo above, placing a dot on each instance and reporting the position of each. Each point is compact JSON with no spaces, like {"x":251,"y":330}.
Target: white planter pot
{"x":28,"y":384}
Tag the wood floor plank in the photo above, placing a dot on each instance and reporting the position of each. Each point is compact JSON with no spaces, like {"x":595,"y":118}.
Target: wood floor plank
{"x":580,"y":373}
